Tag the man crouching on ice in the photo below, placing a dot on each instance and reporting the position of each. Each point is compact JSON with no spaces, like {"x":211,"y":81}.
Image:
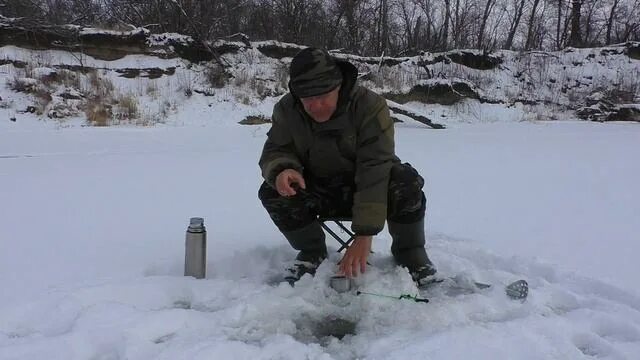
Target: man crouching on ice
{"x":330,"y":153}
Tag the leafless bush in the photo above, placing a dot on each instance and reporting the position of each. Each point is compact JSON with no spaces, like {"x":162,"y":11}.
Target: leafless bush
{"x":64,"y":77}
{"x":242,"y":97}
{"x":263,"y":90}
{"x":216,"y":76}
{"x":165,"y":108}
{"x":23,"y":84}
{"x":576,"y":98}
{"x":626,"y":88}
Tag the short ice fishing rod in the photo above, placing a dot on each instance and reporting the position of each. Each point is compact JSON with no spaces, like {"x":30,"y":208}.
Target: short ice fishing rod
{"x":401,"y":297}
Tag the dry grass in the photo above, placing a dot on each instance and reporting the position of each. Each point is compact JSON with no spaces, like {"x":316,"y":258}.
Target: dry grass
{"x":127,"y":108}
{"x":43,"y":98}
{"x":185,"y":83}
{"x":98,"y":113}
{"x":94,"y":79}
{"x":282,"y":78}
{"x":99,"y":106}
{"x":242,"y":79}
{"x":255,"y":120}
{"x":99,"y":86}
{"x":152,"y":89}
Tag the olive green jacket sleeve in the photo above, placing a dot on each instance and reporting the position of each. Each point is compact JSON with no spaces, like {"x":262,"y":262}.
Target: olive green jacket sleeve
{"x":375,"y":155}
{"x":278,"y":153}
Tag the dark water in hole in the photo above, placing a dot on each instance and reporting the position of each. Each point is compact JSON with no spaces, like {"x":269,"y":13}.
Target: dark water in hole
{"x":312,"y":330}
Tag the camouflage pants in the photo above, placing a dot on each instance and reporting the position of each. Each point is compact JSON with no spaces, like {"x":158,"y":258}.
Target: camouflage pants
{"x":406,"y":200}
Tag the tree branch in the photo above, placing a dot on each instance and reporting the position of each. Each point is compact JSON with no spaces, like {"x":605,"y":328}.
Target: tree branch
{"x":397,"y":108}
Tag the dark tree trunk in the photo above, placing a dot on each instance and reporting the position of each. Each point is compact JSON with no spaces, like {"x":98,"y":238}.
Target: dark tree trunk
{"x":444,"y":43}
{"x":612,"y":14}
{"x":483,"y":24}
{"x":575,"y":39}
{"x":532,"y":19}
{"x":514,"y":24}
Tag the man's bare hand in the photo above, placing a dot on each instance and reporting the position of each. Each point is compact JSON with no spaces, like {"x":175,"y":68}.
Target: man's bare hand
{"x":354,"y":261}
{"x":286,"y":179}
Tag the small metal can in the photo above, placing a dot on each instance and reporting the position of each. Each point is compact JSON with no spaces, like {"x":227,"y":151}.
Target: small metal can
{"x":340,"y":283}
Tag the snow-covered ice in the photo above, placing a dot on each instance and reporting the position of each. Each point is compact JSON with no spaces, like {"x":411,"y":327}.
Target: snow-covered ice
{"x":92,"y":246}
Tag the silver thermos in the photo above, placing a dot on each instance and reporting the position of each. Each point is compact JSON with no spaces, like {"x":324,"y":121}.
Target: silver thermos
{"x":195,"y":258}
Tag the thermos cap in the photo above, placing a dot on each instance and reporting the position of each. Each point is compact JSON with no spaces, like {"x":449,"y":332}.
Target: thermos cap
{"x":196,"y":221}
{"x":196,"y":224}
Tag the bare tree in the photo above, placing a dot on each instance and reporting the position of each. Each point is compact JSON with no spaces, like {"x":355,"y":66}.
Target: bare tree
{"x":354,"y":26}
{"x":427,"y":9}
{"x":456,"y":26}
{"x":630,"y":22}
{"x":22,"y":8}
{"x":462,"y":31}
{"x":444,"y":42}
{"x":411,"y":25}
{"x":436,"y":25}
{"x":487,"y":10}
{"x":518,"y":9}
{"x":559,"y":40}
{"x":531,"y":25}
{"x":81,"y":12}
{"x":575,"y":39}
{"x":260,"y":24}
{"x":497,"y":21}
{"x":592,"y":24}
{"x":382,"y":27}
{"x":612,"y":14}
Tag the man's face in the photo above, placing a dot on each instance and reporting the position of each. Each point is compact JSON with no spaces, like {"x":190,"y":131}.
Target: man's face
{"x":321,"y":107}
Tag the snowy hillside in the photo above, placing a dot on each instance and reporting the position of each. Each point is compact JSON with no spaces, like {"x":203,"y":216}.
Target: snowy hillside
{"x":93,"y":220}
{"x":107,"y":86}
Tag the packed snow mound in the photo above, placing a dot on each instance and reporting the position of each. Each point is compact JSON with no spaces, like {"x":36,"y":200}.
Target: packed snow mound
{"x":236,"y":313}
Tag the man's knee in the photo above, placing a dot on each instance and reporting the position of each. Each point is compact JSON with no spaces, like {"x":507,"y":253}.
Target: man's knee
{"x":288,"y":213}
{"x":407,"y":202}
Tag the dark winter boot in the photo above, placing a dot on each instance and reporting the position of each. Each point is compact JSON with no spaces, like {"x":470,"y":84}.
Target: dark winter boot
{"x":408,"y":251}
{"x":310,"y":241}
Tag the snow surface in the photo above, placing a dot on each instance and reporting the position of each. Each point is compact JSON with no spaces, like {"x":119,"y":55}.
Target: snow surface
{"x":92,"y":236}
